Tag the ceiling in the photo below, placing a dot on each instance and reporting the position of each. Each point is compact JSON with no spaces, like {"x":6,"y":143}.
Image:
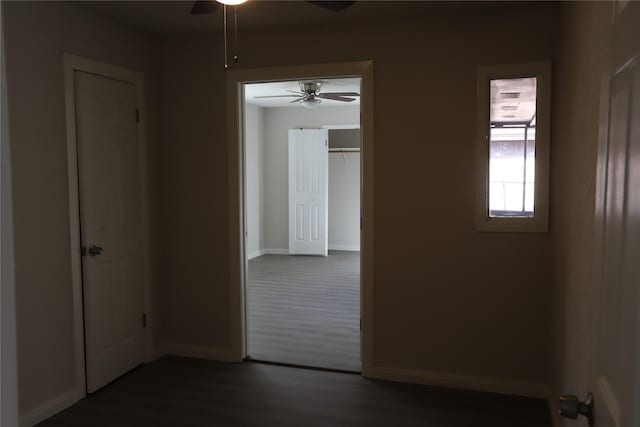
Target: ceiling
{"x":160,"y":17}
{"x":282,"y":88}
{"x":513,"y":100}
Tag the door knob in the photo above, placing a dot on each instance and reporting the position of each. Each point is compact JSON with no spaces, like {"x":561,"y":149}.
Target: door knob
{"x":571,"y":407}
{"x":95,"y":250}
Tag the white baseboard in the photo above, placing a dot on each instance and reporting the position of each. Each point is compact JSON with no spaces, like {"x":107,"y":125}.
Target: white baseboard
{"x":352,"y":248}
{"x":50,"y":408}
{"x":276,"y":251}
{"x":492,"y":385}
{"x":255,"y":254}
{"x":267,"y":251}
{"x":196,"y":352}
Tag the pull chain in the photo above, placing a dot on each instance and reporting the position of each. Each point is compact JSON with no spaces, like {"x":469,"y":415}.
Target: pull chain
{"x":224,"y":30}
{"x":235,"y":28}
{"x":236,"y":58}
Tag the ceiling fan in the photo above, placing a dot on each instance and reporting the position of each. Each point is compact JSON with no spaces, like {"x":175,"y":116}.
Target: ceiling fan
{"x":309,"y":94}
{"x":203,"y":7}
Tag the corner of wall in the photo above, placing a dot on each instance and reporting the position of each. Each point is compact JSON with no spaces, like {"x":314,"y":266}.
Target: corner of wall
{"x":51,"y":407}
{"x":464,"y":382}
{"x":196,"y":352}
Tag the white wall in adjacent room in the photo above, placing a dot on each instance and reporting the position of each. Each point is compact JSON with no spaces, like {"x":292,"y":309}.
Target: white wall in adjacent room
{"x":277,"y":122}
{"x":344,"y":201}
{"x":254,"y":164}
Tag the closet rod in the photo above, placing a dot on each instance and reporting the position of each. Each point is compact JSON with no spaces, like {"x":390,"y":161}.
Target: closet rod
{"x":334,"y":150}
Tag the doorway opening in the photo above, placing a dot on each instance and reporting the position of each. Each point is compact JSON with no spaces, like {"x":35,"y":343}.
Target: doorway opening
{"x":302,"y":222}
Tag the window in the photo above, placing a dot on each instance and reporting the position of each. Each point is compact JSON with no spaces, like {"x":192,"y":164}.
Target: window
{"x":513,"y":148}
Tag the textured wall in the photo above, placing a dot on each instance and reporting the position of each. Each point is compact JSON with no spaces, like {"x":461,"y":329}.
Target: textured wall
{"x":254,"y":185}
{"x":37,"y":35}
{"x":446,"y":298}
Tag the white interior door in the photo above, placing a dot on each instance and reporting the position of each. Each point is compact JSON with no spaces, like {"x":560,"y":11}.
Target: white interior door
{"x":308,"y":191}
{"x":111,"y":234}
{"x":616,"y":381}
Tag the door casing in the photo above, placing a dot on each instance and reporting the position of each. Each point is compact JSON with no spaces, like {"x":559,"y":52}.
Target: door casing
{"x":8,"y":352}
{"x":235,"y":79}
{"x":74,"y":63}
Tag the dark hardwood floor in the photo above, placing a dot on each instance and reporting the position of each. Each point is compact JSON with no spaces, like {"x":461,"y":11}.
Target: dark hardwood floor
{"x":305,"y":310}
{"x":175,"y":391}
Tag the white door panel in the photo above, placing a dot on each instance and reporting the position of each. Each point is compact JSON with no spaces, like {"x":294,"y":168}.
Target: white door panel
{"x":617,"y":300}
{"x":110,"y":218}
{"x":308,"y":191}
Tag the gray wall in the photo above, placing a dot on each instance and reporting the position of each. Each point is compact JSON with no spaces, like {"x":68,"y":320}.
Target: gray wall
{"x":277,"y":123}
{"x":193,"y":210}
{"x":447,"y":300}
{"x":254,"y":167}
{"x":37,"y":34}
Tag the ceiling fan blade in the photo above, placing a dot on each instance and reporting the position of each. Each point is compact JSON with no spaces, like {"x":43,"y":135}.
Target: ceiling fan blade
{"x":204,"y":7}
{"x":296,"y":100}
{"x":297,"y":92}
{"x":335,"y":97}
{"x":342,"y":93}
{"x":277,"y":96}
{"x":335,"y":6}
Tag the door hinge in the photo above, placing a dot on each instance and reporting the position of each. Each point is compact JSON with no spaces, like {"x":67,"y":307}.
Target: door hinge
{"x":326,"y":142}
{"x":144,"y":320}
{"x":360,"y":324}
{"x":360,"y":223}
{"x":137,"y":116}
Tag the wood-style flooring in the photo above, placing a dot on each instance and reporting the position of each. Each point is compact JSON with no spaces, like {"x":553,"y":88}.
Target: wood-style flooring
{"x":305,"y":310}
{"x":175,"y":391}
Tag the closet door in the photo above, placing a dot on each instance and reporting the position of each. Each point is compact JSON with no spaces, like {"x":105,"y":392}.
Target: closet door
{"x":308,"y":191}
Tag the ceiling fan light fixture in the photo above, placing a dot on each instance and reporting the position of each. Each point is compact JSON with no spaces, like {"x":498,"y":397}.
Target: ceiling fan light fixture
{"x":311,"y":102}
{"x":204,"y":7}
{"x":231,"y":2}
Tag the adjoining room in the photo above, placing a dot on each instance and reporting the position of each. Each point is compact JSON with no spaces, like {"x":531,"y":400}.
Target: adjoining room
{"x":319,"y":213}
{"x":302,"y":192}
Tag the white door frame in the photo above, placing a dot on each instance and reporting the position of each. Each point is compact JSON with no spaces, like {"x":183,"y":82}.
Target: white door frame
{"x":237,"y":257}
{"x":8,"y":349}
{"x":74,"y":63}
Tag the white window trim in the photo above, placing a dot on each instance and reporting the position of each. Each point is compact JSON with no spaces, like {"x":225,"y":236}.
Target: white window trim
{"x":540,"y":221}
